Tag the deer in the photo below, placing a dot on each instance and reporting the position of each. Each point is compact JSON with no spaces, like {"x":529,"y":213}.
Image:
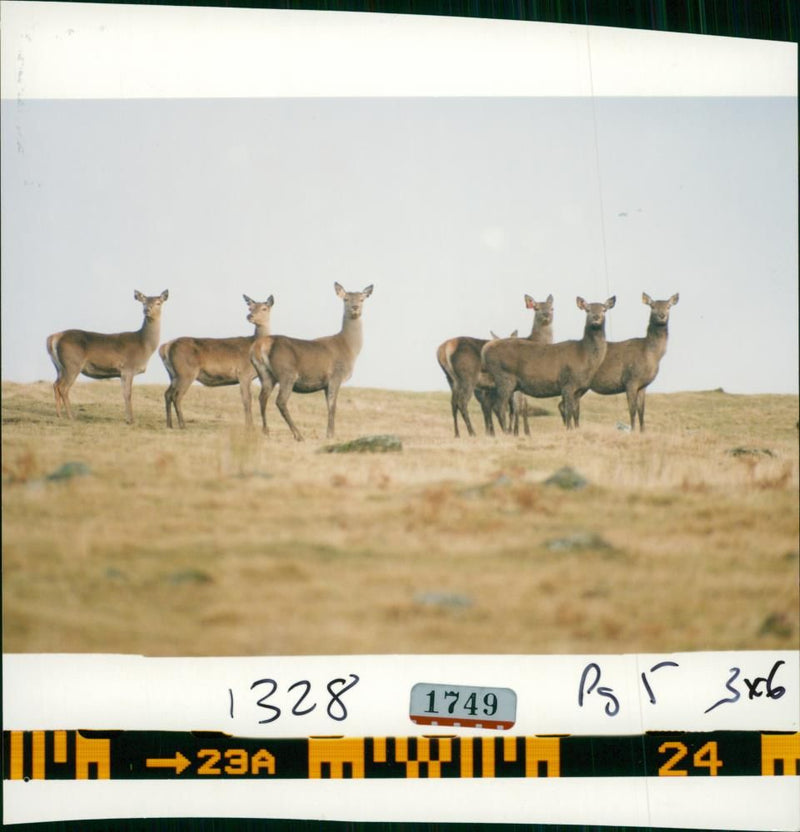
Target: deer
{"x":97,"y":355}
{"x":214,"y":362}
{"x":565,"y":368}
{"x":460,"y":360}
{"x":302,"y":366}
{"x":630,"y":366}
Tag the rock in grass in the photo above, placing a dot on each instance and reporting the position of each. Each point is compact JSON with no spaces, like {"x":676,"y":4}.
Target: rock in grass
{"x":69,"y":470}
{"x":444,"y":600}
{"x":189,"y":576}
{"x":567,"y":478}
{"x":384,"y":443}
{"x":751,"y":452}
{"x":578,"y":541}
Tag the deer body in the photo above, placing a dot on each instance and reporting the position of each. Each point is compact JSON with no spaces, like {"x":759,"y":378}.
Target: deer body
{"x":630,"y":366}
{"x":214,"y":362}
{"x":544,"y":370}
{"x":97,"y":355}
{"x":460,"y":359}
{"x":307,"y":366}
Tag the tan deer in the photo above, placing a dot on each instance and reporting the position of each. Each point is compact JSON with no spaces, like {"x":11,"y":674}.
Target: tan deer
{"x":630,"y":366}
{"x":96,"y":355}
{"x":543,"y":370}
{"x":214,"y":362}
{"x":460,"y":360}
{"x":301,"y":366}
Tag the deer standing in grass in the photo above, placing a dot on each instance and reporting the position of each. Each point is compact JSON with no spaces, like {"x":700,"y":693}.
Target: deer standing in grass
{"x":460,"y":359}
{"x":630,"y":366}
{"x":301,"y":366}
{"x":97,"y":355}
{"x":543,"y":370}
{"x":214,"y":362}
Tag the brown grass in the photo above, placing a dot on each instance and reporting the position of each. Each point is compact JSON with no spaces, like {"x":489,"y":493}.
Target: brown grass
{"x":215,"y":541}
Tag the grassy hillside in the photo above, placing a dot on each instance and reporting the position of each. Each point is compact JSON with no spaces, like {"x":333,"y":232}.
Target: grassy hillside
{"x":216,"y":541}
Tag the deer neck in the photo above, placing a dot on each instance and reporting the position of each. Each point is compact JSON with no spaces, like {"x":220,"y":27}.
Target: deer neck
{"x":657,"y":337}
{"x":150,"y":332}
{"x":352,"y":334}
{"x":261,"y":331}
{"x":541,"y":332}
{"x":594,"y":338}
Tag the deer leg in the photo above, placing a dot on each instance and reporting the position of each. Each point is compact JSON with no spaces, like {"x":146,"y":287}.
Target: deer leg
{"x":127,"y":389}
{"x":640,"y":409}
{"x":263,"y":398}
{"x":576,"y":407}
{"x":632,"y":395}
{"x":453,"y":407}
{"x":463,"y":393}
{"x":168,"y":404}
{"x":284,"y":391}
{"x":245,"y":385}
{"x":62,"y":387}
{"x":509,"y":411}
{"x":485,"y":399}
{"x":180,"y":388}
{"x":523,"y":407}
{"x":568,"y":409}
{"x":331,"y":394}
{"x":59,"y":398}
{"x":504,"y":390}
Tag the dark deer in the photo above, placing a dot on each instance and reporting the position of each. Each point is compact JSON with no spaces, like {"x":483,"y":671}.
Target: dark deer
{"x":214,"y":362}
{"x":630,"y":366}
{"x":300,"y":366}
{"x":460,"y":360}
{"x":544,"y":370}
{"x":122,"y":355}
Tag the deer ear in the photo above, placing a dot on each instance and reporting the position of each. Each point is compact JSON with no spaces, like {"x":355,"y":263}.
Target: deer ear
{"x":249,"y":301}
{"x":611,"y":302}
{"x":549,"y":299}
{"x":581,"y":302}
{"x":139,"y":296}
{"x":339,"y":289}
{"x":514,"y":334}
{"x":674,"y":299}
{"x":494,"y":336}
{"x":368,"y":291}
{"x":646,"y":299}
{"x":270,"y":301}
{"x":165,"y":294}
{"x":529,"y":302}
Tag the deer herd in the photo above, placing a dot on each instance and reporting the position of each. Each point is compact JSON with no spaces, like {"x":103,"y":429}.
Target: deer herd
{"x":499,"y":372}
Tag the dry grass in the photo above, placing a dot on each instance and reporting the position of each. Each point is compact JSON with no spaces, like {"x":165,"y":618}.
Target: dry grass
{"x":215,"y":541}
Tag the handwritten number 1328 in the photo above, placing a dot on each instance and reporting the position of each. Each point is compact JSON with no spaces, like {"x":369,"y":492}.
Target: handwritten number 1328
{"x":301,"y":690}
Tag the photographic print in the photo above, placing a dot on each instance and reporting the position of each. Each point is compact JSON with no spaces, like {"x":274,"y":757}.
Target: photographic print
{"x":353,"y":334}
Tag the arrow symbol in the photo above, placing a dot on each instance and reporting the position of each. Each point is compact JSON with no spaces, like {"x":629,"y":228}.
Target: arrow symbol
{"x":178,"y":762}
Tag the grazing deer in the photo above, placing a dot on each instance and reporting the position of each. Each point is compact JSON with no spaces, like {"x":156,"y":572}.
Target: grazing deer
{"x":121,"y":355}
{"x":214,"y":362}
{"x":460,"y":359}
{"x":544,"y":370}
{"x":300,"y":366}
{"x":630,"y":366}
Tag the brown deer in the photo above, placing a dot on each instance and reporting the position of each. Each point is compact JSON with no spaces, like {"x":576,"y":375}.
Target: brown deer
{"x":630,"y":366}
{"x":460,"y":359}
{"x":121,"y":355}
{"x":214,"y":362}
{"x":300,"y":366}
{"x":543,"y":370}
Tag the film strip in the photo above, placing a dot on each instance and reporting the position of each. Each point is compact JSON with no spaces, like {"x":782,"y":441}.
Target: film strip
{"x":160,"y":755}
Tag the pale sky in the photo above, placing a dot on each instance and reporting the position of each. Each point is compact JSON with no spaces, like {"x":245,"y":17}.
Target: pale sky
{"x":453,"y":206}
